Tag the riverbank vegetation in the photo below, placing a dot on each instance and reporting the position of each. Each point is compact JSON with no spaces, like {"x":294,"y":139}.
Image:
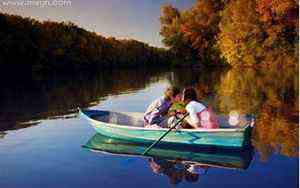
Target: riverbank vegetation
{"x":27,"y":44}
{"x":239,"y":33}
{"x":247,"y":33}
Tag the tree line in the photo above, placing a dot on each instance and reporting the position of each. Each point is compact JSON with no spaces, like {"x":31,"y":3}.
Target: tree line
{"x":211,"y":33}
{"x":29,"y":45}
{"x":238,"y":32}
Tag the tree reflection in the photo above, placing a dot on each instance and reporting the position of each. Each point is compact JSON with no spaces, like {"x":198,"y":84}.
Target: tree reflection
{"x":31,"y":99}
{"x":206,"y":81}
{"x":275,"y":132}
{"x":273,"y":97}
{"x":238,"y":91}
{"x":270,"y":95}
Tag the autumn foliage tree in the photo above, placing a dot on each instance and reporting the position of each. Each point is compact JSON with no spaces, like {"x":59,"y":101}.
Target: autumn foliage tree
{"x":241,"y":34}
{"x":192,"y":32}
{"x":244,"y":32}
{"x":200,"y":28}
{"x":263,"y":32}
{"x":173,"y":37}
{"x":279,"y":19}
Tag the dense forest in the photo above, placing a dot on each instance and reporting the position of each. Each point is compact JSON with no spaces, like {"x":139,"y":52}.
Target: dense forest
{"x":28,"y":44}
{"x":255,"y":33}
{"x":260,"y":33}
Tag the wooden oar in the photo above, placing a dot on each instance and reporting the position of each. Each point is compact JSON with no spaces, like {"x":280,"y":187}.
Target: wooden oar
{"x":162,"y":136}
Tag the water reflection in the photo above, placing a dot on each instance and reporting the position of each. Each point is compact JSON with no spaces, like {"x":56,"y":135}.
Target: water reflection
{"x":271,"y":95}
{"x":178,"y":164}
{"x":178,"y":171}
{"x":206,"y":82}
{"x":31,"y":99}
{"x":2,"y":134}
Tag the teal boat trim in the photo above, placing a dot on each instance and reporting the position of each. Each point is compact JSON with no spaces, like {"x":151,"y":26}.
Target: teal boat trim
{"x":236,"y":137}
{"x":224,"y":159}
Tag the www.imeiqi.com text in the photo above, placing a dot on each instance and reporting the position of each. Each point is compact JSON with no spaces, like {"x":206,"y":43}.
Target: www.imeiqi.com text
{"x":27,"y":3}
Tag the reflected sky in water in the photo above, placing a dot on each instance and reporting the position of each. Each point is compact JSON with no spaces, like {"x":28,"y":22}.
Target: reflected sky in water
{"x":48,"y":152}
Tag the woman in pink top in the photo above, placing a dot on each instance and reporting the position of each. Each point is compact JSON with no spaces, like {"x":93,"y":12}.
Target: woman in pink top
{"x":200,"y":116}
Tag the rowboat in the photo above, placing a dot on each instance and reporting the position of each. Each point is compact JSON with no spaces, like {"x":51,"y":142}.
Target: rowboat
{"x":130,"y":126}
{"x":220,"y":158}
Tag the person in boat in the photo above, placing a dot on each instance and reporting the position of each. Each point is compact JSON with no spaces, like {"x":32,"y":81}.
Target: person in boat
{"x":199,"y":169}
{"x":155,"y":114}
{"x":200,"y":116}
{"x":176,"y":112}
{"x":175,"y":170}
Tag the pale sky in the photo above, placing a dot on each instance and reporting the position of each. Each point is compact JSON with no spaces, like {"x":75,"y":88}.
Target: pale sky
{"x":136,"y":19}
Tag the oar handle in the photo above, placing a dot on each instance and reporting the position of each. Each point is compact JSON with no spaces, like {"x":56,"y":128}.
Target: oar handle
{"x":162,"y":136}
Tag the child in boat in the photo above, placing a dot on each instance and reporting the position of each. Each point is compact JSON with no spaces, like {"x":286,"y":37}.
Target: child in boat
{"x":155,"y":113}
{"x":176,"y":112}
{"x":200,"y":116}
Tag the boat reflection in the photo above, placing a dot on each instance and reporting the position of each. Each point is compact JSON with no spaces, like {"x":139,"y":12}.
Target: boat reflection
{"x":177,"y":170}
{"x":176,"y":163}
{"x":2,"y":134}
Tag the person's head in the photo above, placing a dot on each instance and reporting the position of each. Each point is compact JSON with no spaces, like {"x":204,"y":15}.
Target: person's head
{"x":191,"y":177}
{"x":189,"y":94}
{"x":156,"y":168}
{"x":172,"y":93}
{"x":175,"y":177}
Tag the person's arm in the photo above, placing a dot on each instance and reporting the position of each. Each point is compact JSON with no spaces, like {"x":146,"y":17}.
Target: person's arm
{"x":192,"y":119}
{"x":191,"y":122}
{"x":151,"y":112}
{"x":162,"y":107}
{"x":159,"y":108}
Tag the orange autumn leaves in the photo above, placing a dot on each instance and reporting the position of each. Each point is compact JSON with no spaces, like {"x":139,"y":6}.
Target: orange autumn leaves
{"x":200,"y":27}
{"x":191,"y":33}
{"x":240,"y":34}
{"x":245,"y":33}
{"x":279,"y":20}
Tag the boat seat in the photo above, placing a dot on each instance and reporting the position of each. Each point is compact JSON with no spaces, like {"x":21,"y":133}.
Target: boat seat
{"x":136,"y":119}
{"x":119,"y":118}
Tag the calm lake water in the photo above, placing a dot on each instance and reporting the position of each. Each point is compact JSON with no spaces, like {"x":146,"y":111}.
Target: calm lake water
{"x":41,"y":137}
